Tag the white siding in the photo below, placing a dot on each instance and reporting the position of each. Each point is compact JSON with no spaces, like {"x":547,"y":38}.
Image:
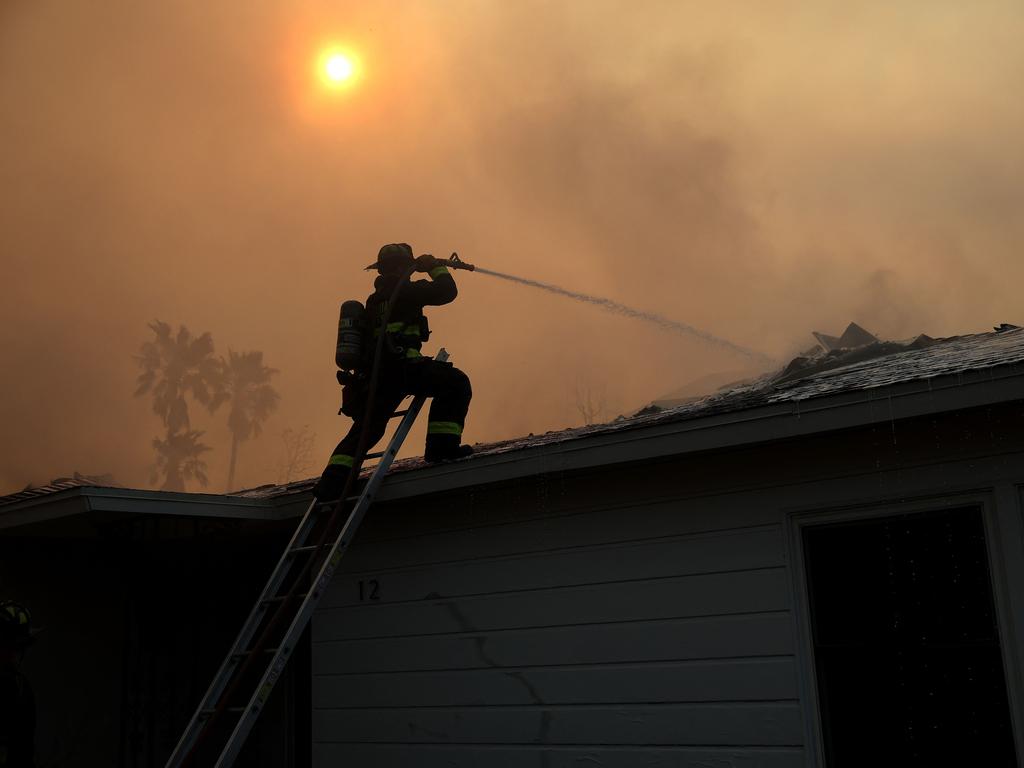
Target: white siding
{"x":615,"y":637}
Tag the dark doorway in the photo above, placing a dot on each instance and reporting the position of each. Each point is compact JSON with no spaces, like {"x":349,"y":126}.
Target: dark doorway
{"x":906,"y":648}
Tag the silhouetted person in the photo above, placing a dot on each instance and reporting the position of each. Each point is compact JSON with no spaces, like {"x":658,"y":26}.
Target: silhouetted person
{"x":404,"y":371}
{"x":17,"y":703}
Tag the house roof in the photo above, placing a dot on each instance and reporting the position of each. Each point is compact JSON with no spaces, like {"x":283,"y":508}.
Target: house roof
{"x":877,"y":381}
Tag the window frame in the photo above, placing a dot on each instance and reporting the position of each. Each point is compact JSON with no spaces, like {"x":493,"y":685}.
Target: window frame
{"x":986,"y":503}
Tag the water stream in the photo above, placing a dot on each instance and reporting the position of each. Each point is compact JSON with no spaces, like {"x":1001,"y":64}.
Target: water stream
{"x":608,"y":305}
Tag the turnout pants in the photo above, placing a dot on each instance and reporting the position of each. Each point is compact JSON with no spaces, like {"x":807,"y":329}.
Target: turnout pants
{"x":451,"y":392}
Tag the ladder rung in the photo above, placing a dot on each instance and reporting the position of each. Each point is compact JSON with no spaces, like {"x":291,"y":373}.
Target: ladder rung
{"x":307,"y":548}
{"x":280,"y":598}
{"x":208,"y":713}
{"x":396,"y":414}
{"x":243,"y":654}
{"x":376,"y":455}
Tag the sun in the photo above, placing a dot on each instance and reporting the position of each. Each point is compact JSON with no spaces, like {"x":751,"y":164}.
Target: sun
{"x":337,"y":68}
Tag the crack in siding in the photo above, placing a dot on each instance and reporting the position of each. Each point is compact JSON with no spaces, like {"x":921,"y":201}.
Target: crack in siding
{"x":478,"y":640}
{"x":519,"y":676}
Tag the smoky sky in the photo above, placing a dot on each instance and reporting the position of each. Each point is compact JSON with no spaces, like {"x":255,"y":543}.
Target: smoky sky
{"x":755,"y":170}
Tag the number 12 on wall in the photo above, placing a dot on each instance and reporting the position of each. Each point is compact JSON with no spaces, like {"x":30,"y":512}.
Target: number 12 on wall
{"x":369,"y":589}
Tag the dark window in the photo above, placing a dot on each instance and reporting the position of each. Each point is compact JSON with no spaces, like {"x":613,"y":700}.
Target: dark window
{"x":906,"y":648}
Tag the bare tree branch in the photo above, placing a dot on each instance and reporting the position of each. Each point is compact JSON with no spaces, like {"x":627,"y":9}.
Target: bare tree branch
{"x":297,"y":459}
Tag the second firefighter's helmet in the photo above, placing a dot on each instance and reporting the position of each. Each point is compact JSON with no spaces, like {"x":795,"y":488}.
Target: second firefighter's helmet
{"x":15,"y":625}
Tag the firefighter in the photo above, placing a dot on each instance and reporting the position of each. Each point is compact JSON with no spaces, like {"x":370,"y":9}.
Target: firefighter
{"x":404,"y":370}
{"x":17,"y":704}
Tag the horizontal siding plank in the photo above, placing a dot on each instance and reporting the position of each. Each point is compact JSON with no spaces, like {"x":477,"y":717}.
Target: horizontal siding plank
{"x":776,"y":723}
{"x":603,"y":526}
{"x":767,"y":634}
{"x":701,"y":595}
{"x":771,"y":679}
{"x":444,"y":756}
{"x":703,"y":553}
{"x":542,"y":495}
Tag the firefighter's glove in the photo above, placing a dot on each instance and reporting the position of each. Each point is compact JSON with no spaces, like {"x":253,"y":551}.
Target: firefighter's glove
{"x":426,"y":262}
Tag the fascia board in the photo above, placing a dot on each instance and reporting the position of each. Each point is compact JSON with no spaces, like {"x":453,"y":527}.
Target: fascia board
{"x":767,"y":423}
{"x":174,"y":503}
{"x":70,"y":501}
{"x":125,"y":500}
{"x":294,"y":505}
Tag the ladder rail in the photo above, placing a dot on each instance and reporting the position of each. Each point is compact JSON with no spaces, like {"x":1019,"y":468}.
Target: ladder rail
{"x":242,"y":641}
{"x":330,"y":564}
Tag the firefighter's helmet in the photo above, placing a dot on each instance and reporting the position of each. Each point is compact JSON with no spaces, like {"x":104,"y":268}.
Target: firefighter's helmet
{"x":394,"y":258}
{"x":15,"y":625}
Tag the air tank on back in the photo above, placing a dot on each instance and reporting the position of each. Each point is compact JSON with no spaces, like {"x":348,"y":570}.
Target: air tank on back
{"x":349,"y":352}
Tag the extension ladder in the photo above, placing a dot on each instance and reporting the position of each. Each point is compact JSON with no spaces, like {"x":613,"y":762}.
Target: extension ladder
{"x":276,"y":604}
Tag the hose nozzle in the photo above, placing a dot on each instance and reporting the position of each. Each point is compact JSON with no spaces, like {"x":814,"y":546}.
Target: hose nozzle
{"x":456,"y":263}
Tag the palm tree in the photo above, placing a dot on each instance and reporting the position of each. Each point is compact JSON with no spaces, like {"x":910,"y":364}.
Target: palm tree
{"x":177,"y":458}
{"x":245,"y":381}
{"x":174,"y":365}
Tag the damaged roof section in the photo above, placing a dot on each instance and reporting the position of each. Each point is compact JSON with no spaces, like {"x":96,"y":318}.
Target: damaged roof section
{"x":854,"y":345}
{"x":854,"y":336}
{"x":873,"y":364}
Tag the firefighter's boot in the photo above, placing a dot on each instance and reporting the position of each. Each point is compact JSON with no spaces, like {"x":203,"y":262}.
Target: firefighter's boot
{"x":445,"y":448}
{"x":331,"y":484}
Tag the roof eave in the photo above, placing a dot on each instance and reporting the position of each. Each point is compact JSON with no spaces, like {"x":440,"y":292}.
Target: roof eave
{"x":39,"y":509}
{"x":83,"y":499}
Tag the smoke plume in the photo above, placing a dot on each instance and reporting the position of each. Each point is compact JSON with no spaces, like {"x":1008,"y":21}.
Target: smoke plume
{"x":756,"y":170}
